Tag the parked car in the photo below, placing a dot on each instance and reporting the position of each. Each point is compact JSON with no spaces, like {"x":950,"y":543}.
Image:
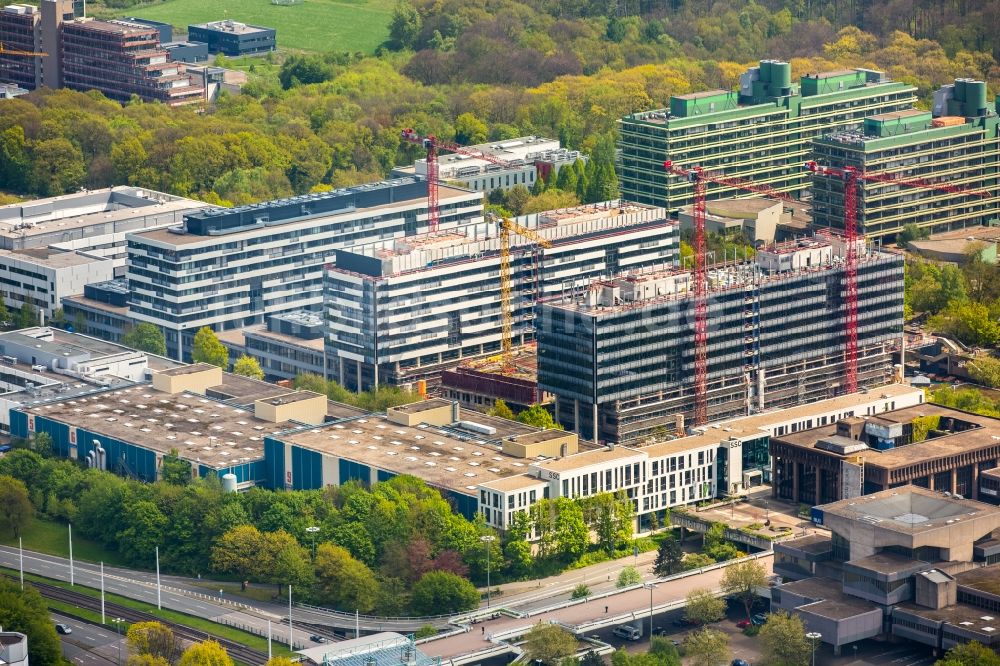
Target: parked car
{"x":740,"y":662}
{"x":743,"y":624}
{"x":316,"y":638}
{"x":628,"y":632}
{"x":659,"y":631}
{"x":63,"y":629}
{"x":758,"y":619}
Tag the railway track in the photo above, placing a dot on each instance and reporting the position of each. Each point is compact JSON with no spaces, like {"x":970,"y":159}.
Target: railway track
{"x":237,"y":651}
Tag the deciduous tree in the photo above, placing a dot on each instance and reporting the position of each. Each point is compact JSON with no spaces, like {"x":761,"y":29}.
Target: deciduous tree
{"x":15,"y":506}
{"x":704,"y":607}
{"x":549,"y":643}
{"x":538,"y":416}
{"x":628,"y":576}
{"x":154,"y":639}
{"x":501,"y":409}
{"x":248,"y":367}
{"x":783,"y":640}
{"x":208,"y":349}
{"x":707,"y":647}
{"x":239,"y":552}
{"x":146,"y":337}
{"x":344,"y":582}
{"x":439,"y":592}
{"x":25,"y":611}
{"x":741,"y":581}
{"x":208,"y":653}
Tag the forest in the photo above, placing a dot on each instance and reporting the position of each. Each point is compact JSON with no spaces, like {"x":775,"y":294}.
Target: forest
{"x":471,"y":71}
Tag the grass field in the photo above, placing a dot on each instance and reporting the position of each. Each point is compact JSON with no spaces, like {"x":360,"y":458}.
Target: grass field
{"x":315,"y":25}
{"x":45,"y":536}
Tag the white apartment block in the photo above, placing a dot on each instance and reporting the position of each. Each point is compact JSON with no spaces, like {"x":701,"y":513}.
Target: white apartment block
{"x":43,"y":277}
{"x":231,"y":268}
{"x":402,"y":310}
{"x":724,"y":459}
{"x":526,"y":157}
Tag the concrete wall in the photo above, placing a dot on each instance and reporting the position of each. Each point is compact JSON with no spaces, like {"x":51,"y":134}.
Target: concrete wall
{"x":198,"y":380}
{"x":301,"y":406}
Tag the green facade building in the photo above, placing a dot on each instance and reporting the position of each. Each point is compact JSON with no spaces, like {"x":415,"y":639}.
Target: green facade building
{"x":957,"y":143}
{"x":761,"y":133}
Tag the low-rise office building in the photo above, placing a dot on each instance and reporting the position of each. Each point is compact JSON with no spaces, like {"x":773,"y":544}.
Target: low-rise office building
{"x":907,"y":562}
{"x":233,"y":38}
{"x":526,"y":159}
{"x":620,"y":357}
{"x":43,"y":277}
{"x":402,"y":311}
{"x":289,"y":345}
{"x":756,"y":220}
{"x":928,"y":445}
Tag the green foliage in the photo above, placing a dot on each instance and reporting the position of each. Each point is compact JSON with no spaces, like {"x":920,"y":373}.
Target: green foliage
{"x":611,"y":517}
{"x":153,"y":639}
{"x":26,"y":316}
{"x":25,"y":611}
{"x":248,"y":366}
{"x":968,"y":399}
{"x":175,"y":470}
{"x":741,"y":581}
{"x":704,"y":607}
{"x":207,"y":653}
{"x":707,"y":647}
{"x":923,"y":425}
{"x":911,"y":232}
{"x":716,"y":545}
{"x":971,"y":323}
{"x":664,"y":652}
{"x":343,"y":582}
{"x":548,"y":643}
{"x":985,"y":370}
{"x":668,"y":557}
{"x":696,"y":561}
{"x":426,"y":631}
{"x":629,"y":575}
{"x":377,"y":400}
{"x":972,"y":653}
{"x":440,"y":592}
{"x":146,"y":337}
{"x":405,"y":25}
{"x":304,"y":70}
{"x":538,"y":416}
{"x":15,"y":507}
{"x":581,"y":591}
{"x":501,"y":409}
{"x":208,"y":349}
{"x":783,"y":640}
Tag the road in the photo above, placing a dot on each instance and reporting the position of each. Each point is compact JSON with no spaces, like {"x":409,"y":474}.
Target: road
{"x":89,"y":645}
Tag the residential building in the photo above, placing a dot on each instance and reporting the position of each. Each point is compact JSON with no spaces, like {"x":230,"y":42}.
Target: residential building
{"x":761,"y":132}
{"x":91,"y":221}
{"x":935,"y":447}
{"x":119,"y":58}
{"x":956,"y":145}
{"x":907,"y":564}
{"x":233,"y":38}
{"x":620,"y":357}
{"x":43,"y":277}
{"x":525,"y":159}
{"x":402,"y":310}
{"x":233,"y":268}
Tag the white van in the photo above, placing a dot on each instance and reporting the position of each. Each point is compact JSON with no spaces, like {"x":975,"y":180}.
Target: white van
{"x":628,"y":632}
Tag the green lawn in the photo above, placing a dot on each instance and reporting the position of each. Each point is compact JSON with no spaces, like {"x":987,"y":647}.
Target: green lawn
{"x":315,"y":25}
{"x":45,"y":536}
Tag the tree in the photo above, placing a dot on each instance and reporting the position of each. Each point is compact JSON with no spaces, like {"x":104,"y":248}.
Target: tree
{"x":26,"y":316}
{"x":703,"y":607}
{"x":146,"y":337}
{"x":591,"y":658}
{"x":548,"y":643}
{"x":208,"y":349}
{"x":516,"y":198}
{"x":175,"y":470}
{"x":696,"y":561}
{"x":665,"y":652}
{"x":566,"y":179}
{"x":985,"y":370}
{"x":581,"y":591}
{"x":304,"y":70}
{"x":911,"y":232}
{"x":783,"y":640}
{"x":239,"y":552}
{"x":405,"y":26}
{"x":470,"y":130}
{"x":280,"y":661}
{"x":628,"y":576}
{"x":290,"y":561}
{"x":207,"y":653}
{"x":344,"y":582}
{"x":501,"y":409}
{"x":668,"y":557}
{"x":154,"y":639}
{"x":707,"y":647}
{"x":439,"y":592}
{"x":538,"y":416}
{"x":4,"y":312}
{"x":741,"y":581}
{"x":15,"y":506}
{"x":248,"y":367}
{"x":717,"y":546}
{"x":57,"y":167}
{"x":25,"y":611}
{"x":972,"y":653}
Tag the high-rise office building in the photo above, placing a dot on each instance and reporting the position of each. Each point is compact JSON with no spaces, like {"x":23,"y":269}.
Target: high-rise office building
{"x":761,"y":132}
{"x":956,"y":144}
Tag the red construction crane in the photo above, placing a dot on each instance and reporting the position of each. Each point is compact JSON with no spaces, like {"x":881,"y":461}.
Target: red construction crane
{"x":698,"y":179}
{"x":851,"y":176}
{"x":433,"y":145}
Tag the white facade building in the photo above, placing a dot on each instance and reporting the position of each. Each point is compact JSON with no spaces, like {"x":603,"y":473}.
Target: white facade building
{"x":43,"y":277}
{"x":402,"y":310}
{"x":231,"y":268}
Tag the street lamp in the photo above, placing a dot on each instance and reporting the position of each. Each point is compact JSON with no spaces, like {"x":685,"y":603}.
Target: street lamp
{"x":487,"y":539}
{"x":814,"y":637}
{"x":650,"y":587}
{"x":312,"y":535}
{"x":118,"y":627}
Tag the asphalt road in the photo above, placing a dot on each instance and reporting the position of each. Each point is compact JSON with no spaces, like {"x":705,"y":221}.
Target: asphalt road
{"x":89,"y":645}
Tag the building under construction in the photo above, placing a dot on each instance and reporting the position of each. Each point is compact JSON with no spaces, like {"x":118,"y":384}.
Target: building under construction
{"x":121,"y":59}
{"x":620,"y":356}
{"x":400,"y":311}
{"x":478,"y":384}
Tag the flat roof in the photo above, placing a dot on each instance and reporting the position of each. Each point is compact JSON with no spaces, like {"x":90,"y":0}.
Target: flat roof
{"x":518,"y":482}
{"x":984,"y":435}
{"x":230,"y":26}
{"x":423,"y":406}
{"x":888,"y":563}
{"x":240,"y":390}
{"x":444,"y":457}
{"x":908,"y":509}
{"x":51,"y":258}
{"x":191,"y":369}
{"x":705,"y":93}
{"x":898,"y":115}
{"x":812,"y":543}
{"x":587,"y":458}
{"x":204,"y":431}
{"x":967,"y":617}
{"x":290,"y":398}
{"x":985,"y":579}
{"x":831,"y":602}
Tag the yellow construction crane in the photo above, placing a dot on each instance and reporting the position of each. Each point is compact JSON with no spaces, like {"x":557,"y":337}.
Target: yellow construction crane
{"x":507,"y":227}
{"x":15,"y":52}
